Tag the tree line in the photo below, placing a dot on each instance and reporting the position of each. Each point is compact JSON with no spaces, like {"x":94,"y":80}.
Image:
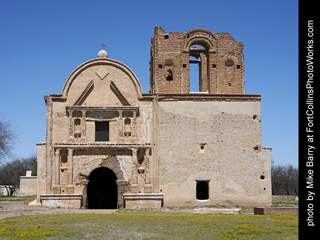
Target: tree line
{"x":10,"y":172}
{"x":284,"y":180}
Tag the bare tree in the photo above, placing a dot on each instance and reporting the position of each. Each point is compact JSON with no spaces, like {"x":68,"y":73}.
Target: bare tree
{"x":10,"y":173}
{"x":284,"y":180}
{"x":6,"y":139}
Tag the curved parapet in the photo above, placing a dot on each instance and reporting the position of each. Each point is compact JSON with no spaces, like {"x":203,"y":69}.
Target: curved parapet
{"x":106,"y":77}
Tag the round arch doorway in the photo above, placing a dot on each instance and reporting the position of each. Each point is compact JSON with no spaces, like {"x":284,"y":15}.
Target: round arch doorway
{"x":102,"y":189}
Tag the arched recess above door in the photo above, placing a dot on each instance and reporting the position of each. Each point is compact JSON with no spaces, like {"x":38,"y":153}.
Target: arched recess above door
{"x":110,"y":162}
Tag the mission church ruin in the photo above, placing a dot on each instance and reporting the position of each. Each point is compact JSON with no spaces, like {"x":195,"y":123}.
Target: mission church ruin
{"x":109,"y":145}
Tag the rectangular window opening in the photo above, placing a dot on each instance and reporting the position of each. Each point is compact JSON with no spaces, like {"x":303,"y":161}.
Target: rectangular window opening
{"x":102,"y":131}
{"x":202,"y":190}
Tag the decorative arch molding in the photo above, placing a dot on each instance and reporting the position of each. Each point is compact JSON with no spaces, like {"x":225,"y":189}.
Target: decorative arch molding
{"x":109,"y":162}
{"x":113,"y":164}
{"x":233,"y":58}
{"x":201,"y":40}
{"x":99,"y":61}
{"x":199,"y":30}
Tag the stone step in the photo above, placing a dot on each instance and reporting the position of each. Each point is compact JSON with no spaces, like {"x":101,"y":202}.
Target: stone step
{"x":233,"y":211}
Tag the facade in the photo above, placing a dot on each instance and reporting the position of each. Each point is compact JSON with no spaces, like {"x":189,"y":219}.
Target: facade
{"x":109,"y":145}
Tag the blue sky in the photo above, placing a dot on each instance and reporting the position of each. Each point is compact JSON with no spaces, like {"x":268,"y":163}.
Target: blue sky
{"x":41,"y":42}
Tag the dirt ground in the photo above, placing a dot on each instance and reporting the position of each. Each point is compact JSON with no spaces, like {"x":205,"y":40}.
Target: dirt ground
{"x":16,"y":208}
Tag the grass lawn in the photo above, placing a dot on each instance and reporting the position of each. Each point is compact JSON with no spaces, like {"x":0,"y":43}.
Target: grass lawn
{"x":148,"y":225}
{"x":17,"y":198}
{"x":170,"y":223}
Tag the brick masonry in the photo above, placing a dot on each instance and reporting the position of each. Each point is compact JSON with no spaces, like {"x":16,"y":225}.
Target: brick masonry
{"x":275,"y":210}
{"x":221,"y":68}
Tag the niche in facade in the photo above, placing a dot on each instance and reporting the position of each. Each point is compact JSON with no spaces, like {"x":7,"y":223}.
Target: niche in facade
{"x":168,"y":69}
{"x":229,"y":71}
{"x":77,"y":128}
{"x":127,"y":127}
{"x":64,"y":159}
{"x":141,"y":163}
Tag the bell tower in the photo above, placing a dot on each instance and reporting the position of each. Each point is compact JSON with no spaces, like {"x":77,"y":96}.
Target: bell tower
{"x":217,"y":56}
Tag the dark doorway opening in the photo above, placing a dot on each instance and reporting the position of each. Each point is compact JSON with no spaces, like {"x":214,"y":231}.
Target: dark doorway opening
{"x":102,"y":189}
{"x":202,"y":190}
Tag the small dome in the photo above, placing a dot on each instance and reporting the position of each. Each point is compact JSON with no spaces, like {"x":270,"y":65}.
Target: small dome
{"x":102,"y":54}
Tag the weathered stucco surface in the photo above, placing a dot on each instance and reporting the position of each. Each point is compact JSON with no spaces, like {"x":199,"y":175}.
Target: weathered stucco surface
{"x":28,"y":185}
{"x":228,"y":132}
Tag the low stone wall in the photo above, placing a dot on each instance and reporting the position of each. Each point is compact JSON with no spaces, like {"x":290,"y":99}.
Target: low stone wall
{"x":61,"y":200}
{"x":143,"y":200}
{"x":275,"y":210}
{"x":233,"y":211}
{"x":28,"y":185}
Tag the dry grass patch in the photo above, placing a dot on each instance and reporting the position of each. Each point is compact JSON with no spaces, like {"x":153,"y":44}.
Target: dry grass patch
{"x":284,"y":201}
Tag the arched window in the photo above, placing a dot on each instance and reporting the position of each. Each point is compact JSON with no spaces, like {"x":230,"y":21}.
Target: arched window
{"x":198,"y":56}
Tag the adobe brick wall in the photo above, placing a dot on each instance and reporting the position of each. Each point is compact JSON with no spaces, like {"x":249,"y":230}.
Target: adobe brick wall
{"x":229,"y":133}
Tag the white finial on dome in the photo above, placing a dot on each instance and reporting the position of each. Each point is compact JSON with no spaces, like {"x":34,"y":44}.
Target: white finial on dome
{"x":102,"y":53}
